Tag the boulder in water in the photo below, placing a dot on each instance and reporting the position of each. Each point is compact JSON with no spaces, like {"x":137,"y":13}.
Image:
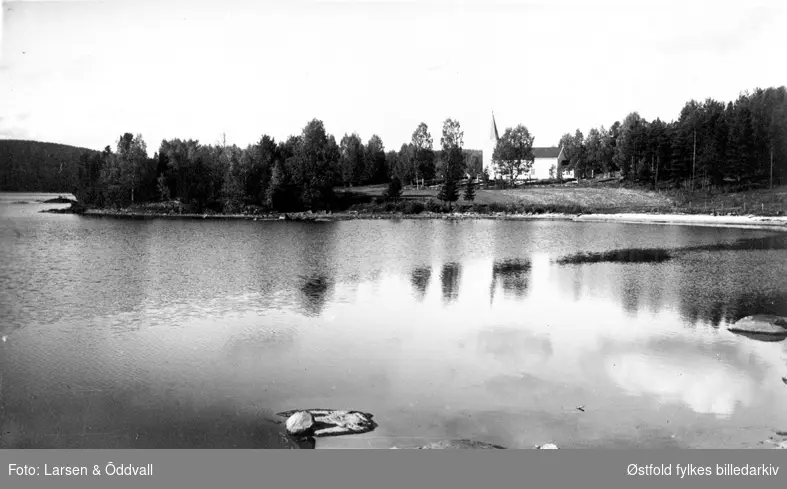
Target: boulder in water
{"x":300,"y":423}
{"x":332,"y":422}
{"x":761,"y":325}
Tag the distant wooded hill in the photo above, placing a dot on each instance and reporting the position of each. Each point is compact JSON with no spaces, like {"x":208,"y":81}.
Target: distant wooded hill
{"x":34,"y":166}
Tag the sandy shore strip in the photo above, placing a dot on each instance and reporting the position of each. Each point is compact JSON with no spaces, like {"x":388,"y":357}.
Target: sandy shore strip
{"x":689,"y":220}
{"x":760,"y":222}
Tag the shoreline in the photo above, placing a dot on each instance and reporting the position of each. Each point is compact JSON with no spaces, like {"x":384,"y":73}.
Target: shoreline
{"x":735,"y":221}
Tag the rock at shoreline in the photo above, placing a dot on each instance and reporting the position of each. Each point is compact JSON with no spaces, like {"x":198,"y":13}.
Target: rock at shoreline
{"x":59,"y":200}
{"x":300,"y":423}
{"x":74,"y":208}
{"x":332,"y":422}
{"x":764,"y":325}
{"x":461,"y":445}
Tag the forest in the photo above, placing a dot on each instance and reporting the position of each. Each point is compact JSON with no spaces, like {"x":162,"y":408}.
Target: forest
{"x":299,"y":173}
{"x":709,"y":144}
{"x":33,"y":166}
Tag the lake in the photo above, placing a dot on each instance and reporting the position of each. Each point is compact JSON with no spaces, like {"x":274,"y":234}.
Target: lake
{"x":189,"y":333}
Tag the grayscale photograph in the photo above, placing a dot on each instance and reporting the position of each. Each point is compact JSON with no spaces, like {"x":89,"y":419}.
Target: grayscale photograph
{"x":393,"y":224}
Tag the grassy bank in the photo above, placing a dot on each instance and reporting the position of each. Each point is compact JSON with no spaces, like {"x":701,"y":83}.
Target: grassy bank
{"x":578,"y":199}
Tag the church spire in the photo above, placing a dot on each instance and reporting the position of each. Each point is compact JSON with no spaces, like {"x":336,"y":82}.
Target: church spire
{"x":493,"y":136}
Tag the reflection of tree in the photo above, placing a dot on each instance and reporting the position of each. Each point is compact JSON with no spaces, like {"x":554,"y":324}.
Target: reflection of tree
{"x":420,"y":281}
{"x":630,"y":293}
{"x":450,"y":281}
{"x":658,"y":255}
{"x":308,"y":255}
{"x":704,"y":283}
{"x":314,"y":294}
{"x":632,"y":255}
{"x":728,"y":306}
{"x":512,"y":275}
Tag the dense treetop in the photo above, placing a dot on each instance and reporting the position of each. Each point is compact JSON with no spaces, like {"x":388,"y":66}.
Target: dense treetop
{"x":709,"y":143}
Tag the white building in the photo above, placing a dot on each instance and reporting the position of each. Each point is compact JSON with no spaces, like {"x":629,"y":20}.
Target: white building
{"x":546,"y":161}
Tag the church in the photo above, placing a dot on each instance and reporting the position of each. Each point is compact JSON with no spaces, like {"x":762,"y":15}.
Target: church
{"x":546,"y":160}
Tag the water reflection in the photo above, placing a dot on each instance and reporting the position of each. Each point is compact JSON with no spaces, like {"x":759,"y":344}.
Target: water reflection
{"x":260,"y":338}
{"x":512,"y":276}
{"x":314,"y":293}
{"x":767,"y":338}
{"x":717,"y":304}
{"x":217,"y":339}
{"x":449,"y":278}
{"x":658,"y":255}
{"x":652,"y":255}
{"x":518,"y":348}
{"x":692,"y":379}
{"x":773,"y":242}
{"x":132,"y":416}
{"x":687,"y":280}
{"x":631,"y":293}
{"x":420,"y":281}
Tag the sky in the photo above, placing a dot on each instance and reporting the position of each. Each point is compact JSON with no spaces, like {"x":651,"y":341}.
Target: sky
{"x":84,"y":72}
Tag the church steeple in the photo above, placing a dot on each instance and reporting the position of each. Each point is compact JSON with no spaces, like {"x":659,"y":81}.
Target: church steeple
{"x":493,"y":135}
{"x":489,"y":147}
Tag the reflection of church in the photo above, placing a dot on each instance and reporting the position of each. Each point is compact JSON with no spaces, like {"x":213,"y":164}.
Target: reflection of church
{"x":546,"y":163}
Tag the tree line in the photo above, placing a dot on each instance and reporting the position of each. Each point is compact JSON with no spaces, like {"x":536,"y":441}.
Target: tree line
{"x":299,"y":173}
{"x":710,"y":143}
{"x":35,"y":166}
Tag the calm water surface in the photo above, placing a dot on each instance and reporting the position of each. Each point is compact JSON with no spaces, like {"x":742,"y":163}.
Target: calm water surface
{"x":167,"y":333}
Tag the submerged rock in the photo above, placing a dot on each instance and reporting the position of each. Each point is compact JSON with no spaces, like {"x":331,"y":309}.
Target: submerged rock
{"x":768,"y":325}
{"x":300,"y":423}
{"x":332,"y":422}
{"x":461,"y":445}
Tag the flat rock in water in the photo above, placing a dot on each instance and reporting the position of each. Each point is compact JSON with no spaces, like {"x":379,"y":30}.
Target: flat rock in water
{"x":300,"y":423}
{"x":461,"y":445}
{"x":761,"y":325}
{"x":332,"y":422}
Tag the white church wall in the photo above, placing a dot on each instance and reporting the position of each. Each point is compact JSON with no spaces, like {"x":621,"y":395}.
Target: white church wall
{"x":541,"y":167}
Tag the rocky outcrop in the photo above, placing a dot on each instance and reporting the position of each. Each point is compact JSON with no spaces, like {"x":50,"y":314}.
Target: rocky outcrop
{"x":761,"y":325}
{"x":332,"y":422}
{"x":60,"y":200}
{"x":75,"y":208}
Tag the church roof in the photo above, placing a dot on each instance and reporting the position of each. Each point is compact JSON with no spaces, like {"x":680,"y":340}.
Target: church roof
{"x":551,"y":152}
